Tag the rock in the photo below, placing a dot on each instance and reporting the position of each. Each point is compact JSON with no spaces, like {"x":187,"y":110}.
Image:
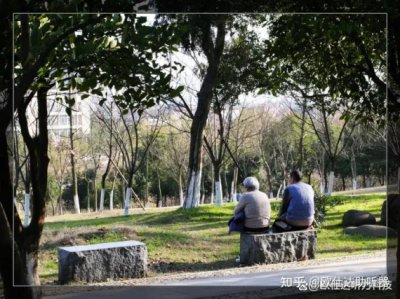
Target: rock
{"x":100,"y":262}
{"x":278,"y":247}
{"x":393,"y":211}
{"x":369,"y":230}
{"x":357,"y":218}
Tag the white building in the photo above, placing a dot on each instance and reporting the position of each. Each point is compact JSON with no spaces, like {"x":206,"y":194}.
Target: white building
{"x":58,"y":118}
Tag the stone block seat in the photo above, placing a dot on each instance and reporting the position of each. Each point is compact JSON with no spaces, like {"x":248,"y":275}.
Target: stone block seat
{"x":275,"y":248}
{"x":100,"y":262}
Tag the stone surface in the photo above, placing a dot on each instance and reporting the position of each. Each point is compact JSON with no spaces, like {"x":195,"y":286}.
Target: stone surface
{"x":393,"y":204}
{"x":99,"y":262}
{"x":371,"y":230}
{"x":357,"y":218}
{"x":278,"y":247}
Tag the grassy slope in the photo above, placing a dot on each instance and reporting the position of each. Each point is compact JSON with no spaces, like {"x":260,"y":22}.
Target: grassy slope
{"x":197,"y":239}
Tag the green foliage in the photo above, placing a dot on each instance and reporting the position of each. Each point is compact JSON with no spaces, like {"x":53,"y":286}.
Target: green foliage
{"x":337,"y":61}
{"x":87,"y":53}
{"x":322,"y":203}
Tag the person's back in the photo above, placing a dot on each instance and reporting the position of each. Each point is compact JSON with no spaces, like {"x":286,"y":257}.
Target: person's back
{"x":301,"y":206}
{"x":256,"y":208}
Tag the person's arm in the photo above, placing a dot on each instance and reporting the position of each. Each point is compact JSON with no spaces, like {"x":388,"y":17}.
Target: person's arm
{"x":285,"y":202}
{"x":240,"y":206}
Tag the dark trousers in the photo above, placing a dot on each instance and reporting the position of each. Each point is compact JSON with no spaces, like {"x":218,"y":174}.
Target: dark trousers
{"x":256,"y":230}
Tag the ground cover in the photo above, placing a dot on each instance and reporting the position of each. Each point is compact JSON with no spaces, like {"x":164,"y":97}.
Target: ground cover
{"x":180,"y":240}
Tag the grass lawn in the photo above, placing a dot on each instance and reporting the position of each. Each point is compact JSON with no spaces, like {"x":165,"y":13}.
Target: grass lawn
{"x":181,"y":240}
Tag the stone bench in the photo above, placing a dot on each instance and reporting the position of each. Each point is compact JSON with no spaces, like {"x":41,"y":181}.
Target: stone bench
{"x":99,"y":262}
{"x":277,"y":247}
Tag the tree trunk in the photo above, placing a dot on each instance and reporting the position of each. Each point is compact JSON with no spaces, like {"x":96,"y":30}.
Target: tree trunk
{"x":27,"y":207}
{"x":218,"y":186}
{"x":102,"y":195}
{"x":279,"y":191}
{"x":103,"y":184}
{"x":233,"y":185}
{"x":88,"y":196}
{"x":226,"y":193}
{"x":28,"y":239}
{"x":269,"y":176}
{"x":203,"y":108}
{"x":212,"y":185}
{"x":343,"y":183}
{"x":322,"y":186}
{"x":128,"y":195}
{"x":203,"y":191}
{"x":122,"y":198}
{"x":330,"y":182}
{"x":73,"y":170}
{"x":301,"y":143}
{"x":112,"y":195}
{"x":12,"y":267}
{"x":159,"y":197}
{"x":60,"y":204}
{"x":13,"y":270}
{"x":180,"y":189}
{"x":146,"y":195}
{"x":95,"y":193}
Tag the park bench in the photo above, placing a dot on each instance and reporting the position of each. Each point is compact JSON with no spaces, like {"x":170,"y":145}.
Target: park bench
{"x":100,"y":262}
{"x":277,"y":247}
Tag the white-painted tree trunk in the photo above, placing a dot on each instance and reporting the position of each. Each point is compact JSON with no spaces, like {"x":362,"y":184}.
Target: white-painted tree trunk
{"x":193,"y":193}
{"x":368,"y":182}
{"x":27,"y":208}
{"x":181,"y":195}
{"x":128,"y":195}
{"x":279,"y":192}
{"x":271,"y":195}
{"x":111,"y":200}
{"x":76,"y":204}
{"x":212,"y":198}
{"x":322,"y":186}
{"x":218,"y":193}
{"x":354,"y":181}
{"x":330,"y":182}
{"x":233,"y":192}
{"x":102,"y":194}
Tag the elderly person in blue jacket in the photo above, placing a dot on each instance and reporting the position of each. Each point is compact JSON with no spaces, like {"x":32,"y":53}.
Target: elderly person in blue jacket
{"x":297,"y":208}
{"x":255,"y":205}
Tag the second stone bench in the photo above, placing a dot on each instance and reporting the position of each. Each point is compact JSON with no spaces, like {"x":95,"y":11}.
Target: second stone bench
{"x":277,"y":247}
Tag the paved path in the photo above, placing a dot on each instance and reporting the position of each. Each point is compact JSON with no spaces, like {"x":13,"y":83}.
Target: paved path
{"x":370,"y":267}
{"x":232,"y":284}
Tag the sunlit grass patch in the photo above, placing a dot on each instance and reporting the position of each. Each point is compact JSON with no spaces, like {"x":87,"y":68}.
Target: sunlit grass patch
{"x":181,"y":240}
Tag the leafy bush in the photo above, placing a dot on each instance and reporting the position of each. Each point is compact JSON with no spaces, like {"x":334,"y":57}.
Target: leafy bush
{"x":322,"y":203}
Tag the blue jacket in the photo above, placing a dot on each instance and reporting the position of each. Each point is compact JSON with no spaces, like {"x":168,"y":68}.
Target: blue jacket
{"x":301,"y":205}
{"x":236,"y":223}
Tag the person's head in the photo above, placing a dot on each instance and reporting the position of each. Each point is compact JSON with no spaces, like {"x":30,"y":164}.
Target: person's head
{"x":251,"y":184}
{"x":295,"y":176}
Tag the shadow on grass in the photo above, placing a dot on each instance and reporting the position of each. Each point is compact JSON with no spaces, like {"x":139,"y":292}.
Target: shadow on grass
{"x":173,"y":267}
{"x":200,"y":214}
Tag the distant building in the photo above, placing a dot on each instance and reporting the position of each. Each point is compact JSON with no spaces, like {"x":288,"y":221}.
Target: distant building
{"x":58,"y":118}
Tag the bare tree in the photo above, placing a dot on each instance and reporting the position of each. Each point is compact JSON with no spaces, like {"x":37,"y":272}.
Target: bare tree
{"x":60,"y":163}
{"x":134,"y":137}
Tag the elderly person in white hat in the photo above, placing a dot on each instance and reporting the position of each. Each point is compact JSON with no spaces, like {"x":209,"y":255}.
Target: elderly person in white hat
{"x":256,"y":207}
